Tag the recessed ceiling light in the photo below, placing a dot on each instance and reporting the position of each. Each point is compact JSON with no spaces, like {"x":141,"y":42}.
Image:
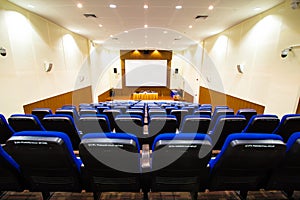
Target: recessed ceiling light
{"x":125,"y":31}
{"x":165,"y":32}
{"x":79,"y":5}
{"x":111,"y":36}
{"x":100,"y":25}
{"x":30,"y":6}
{"x":112,"y":5}
{"x":190,"y":26}
{"x":211,"y":7}
{"x":257,"y":9}
{"x":145,"y":26}
{"x":146,"y":6}
{"x":178,"y":7}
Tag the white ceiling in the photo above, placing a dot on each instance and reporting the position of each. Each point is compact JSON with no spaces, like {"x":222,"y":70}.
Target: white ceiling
{"x":168,"y":28}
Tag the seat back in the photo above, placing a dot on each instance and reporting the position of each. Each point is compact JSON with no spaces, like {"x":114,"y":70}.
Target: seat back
{"x":195,"y":124}
{"x":262,"y":124}
{"x":88,"y":111}
{"x":41,"y":112}
{"x":217,"y":113}
{"x":179,"y":114}
{"x":203,"y":111}
{"x":247,"y":113}
{"x":111,"y":162}
{"x":25,"y":122}
{"x":63,"y":123}
{"x":112,"y":114}
{"x":46,"y":160}
{"x":160,"y":124}
{"x":179,"y":162}
{"x":6,"y":131}
{"x":136,"y":111}
{"x":130,"y":124}
{"x":94,"y":124}
{"x":10,"y":173}
{"x":226,"y":125}
{"x":69,"y":110}
{"x":286,"y":175}
{"x":288,"y":125}
{"x":245,"y":161}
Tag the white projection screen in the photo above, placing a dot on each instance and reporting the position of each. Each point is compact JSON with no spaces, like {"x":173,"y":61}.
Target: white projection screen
{"x":145,"y":72}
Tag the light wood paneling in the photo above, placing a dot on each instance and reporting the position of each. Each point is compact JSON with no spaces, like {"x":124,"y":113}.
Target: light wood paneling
{"x":83,"y":95}
{"x":298,"y":108}
{"x":216,"y":98}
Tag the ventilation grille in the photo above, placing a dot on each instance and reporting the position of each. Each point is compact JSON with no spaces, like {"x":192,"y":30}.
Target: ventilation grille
{"x":201,"y":16}
{"x":87,"y":15}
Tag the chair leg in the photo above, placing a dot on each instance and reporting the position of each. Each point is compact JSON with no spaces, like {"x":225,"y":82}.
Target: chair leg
{"x":194,"y":195}
{"x":288,"y":193}
{"x":242,"y":194}
{"x":47,"y":195}
{"x":97,"y":195}
{"x":145,"y":195}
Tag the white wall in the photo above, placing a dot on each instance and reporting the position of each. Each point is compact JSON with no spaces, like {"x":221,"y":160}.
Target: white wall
{"x":257,"y":43}
{"x":103,"y":61}
{"x":30,"y":40}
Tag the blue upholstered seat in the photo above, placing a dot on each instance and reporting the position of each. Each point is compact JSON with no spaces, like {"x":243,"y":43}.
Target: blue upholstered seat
{"x":195,"y":124}
{"x":25,"y":122}
{"x":264,"y":123}
{"x":6,"y":131}
{"x":46,"y":160}
{"x":245,"y":162}
{"x":63,"y":123}
{"x":289,"y":124}
{"x":90,"y":123}
{"x":111,"y":162}
{"x":179,"y":162}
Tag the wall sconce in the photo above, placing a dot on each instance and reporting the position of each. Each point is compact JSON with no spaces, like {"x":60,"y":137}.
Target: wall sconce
{"x":285,"y":52}
{"x":2,"y":51}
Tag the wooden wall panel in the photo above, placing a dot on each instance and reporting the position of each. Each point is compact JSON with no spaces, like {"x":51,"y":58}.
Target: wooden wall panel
{"x":83,"y":95}
{"x":105,"y":96}
{"x":188,"y":97}
{"x":216,"y":98}
{"x":298,"y":108}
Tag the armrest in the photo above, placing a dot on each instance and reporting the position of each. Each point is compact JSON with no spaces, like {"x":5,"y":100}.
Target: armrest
{"x":145,"y":159}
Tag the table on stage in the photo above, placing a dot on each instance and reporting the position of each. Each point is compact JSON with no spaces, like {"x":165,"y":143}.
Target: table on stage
{"x":145,"y":96}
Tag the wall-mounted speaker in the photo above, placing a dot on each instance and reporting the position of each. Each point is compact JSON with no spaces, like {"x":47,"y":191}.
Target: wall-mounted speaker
{"x":176,"y":70}
{"x":240,"y":68}
{"x":115,"y":70}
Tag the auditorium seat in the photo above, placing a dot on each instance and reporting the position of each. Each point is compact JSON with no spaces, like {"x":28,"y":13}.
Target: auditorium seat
{"x":179,"y":114}
{"x":245,"y":162}
{"x":88,"y":111}
{"x":41,"y":112}
{"x":130,"y":124}
{"x":69,"y":110}
{"x":160,"y":124}
{"x":46,"y":160}
{"x":179,"y":163}
{"x":90,"y":123}
{"x":203,"y":111}
{"x":111,"y":163}
{"x":136,"y":111}
{"x":169,"y":109}
{"x":226,"y":125}
{"x":111,"y":114}
{"x":10,"y":173}
{"x":262,"y":124}
{"x":25,"y":122}
{"x":216,"y":114}
{"x":6,"y":131}
{"x":247,"y":113}
{"x":195,"y":124}
{"x":101,"y":108}
{"x":63,"y":123}
{"x":289,"y":124}
{"x":286,"y":176}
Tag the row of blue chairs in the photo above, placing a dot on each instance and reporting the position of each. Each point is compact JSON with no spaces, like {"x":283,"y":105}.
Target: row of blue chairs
{"x":43,"y":161}
{"x":224,"y":125}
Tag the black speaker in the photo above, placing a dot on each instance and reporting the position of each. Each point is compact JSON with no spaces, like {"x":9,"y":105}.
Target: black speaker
{"x":115,"y":70}
{"x":176,"y":70}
